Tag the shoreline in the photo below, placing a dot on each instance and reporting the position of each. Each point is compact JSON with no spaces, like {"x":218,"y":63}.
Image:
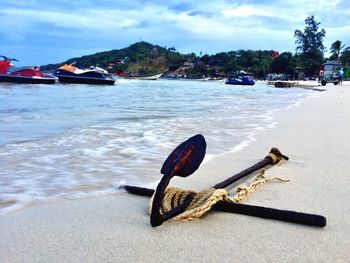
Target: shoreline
{"x":222,"y":136}
{"x":314,"y":134}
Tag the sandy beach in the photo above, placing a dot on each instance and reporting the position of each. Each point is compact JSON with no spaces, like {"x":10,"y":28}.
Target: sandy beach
{"x":314,"y":134}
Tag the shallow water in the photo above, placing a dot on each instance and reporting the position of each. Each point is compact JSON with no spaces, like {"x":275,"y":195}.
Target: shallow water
{"x":69,"y":141}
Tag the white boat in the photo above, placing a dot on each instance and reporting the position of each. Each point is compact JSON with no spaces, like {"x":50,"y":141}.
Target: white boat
{"x":145,"y":77}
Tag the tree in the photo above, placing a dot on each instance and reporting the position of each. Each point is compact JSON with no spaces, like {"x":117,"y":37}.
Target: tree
{"x":336,"y":48}
{"x":205,"y":59}
{"x":282,"y":64}
{"x":260,"y":67}
{"x":345,"y":56}
{"x":311,"y":39}
{"x":310,"y":45}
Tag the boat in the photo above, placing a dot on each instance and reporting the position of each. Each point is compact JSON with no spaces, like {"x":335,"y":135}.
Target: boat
{"x":28,"y":75}
{"x":241,"y":78}
{"x":69,"y":73}
{"x":132,"y":76}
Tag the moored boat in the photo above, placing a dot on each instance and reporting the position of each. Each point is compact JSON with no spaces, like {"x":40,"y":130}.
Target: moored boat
{"x":240,"y":81}
{"x":27,"y":75}
{"x":144,"y":77}
{"x":69,"y":73}
{"x":241,"y":78}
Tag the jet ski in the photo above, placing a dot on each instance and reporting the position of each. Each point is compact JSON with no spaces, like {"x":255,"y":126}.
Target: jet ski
{"x":241,"y":78}
{"x":30,"y":75}
{"x":69,"y":73}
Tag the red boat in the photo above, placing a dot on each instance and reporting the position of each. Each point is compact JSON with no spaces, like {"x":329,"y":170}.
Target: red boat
{"x":30,"y":75}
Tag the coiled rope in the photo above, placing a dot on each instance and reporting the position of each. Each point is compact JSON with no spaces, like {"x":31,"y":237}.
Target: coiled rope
{"x":205,"y":200}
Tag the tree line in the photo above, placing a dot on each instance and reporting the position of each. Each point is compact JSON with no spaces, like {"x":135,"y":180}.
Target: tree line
{"x":143,"y":57}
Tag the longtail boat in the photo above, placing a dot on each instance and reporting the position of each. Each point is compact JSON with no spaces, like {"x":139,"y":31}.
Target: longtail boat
{"x":132,"y":76}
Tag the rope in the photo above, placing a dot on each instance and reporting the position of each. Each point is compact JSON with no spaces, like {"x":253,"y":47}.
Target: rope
{"x":203,"y":201}
{"x":243,"y":191}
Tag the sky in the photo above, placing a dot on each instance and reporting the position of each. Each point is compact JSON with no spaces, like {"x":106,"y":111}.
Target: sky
{"x":39,"y":32}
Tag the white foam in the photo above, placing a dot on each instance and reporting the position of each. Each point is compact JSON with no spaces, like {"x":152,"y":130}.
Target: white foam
{"x":129,"y":151}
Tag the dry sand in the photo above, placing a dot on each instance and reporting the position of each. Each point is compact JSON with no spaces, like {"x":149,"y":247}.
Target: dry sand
{"x":315,"y":134}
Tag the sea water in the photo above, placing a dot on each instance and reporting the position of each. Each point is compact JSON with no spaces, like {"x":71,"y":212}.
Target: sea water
{"x":70,"y":141}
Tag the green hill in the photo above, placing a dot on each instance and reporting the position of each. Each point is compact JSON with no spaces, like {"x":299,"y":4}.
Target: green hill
{"x":143,"y":57}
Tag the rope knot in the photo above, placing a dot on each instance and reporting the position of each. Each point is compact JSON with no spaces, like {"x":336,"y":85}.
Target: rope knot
{"x":276,"y":156}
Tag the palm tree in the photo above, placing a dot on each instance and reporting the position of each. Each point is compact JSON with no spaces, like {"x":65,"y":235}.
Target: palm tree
{"x":336,"y":48}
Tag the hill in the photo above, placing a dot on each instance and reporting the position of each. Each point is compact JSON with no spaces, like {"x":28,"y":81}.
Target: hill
{"x":143,"y":57}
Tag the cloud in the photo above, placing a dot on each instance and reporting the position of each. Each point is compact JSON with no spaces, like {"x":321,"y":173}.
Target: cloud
{"x":246,"y":10}
{"x":80,"y":20}
{"x":208,"y":26}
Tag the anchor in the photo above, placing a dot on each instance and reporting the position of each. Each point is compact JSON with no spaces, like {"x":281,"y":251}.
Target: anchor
{"x":188,"y":205}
